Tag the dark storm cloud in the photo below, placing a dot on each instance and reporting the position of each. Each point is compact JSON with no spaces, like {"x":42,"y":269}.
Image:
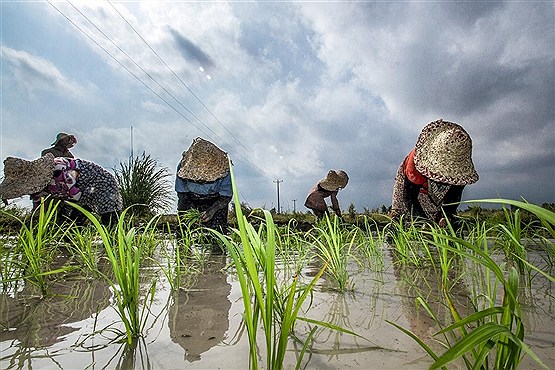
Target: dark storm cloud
{"x":487,"y":67}
{"x":457,"y":84}
{"x":461,"y":87}
{"x":277,"y":36}
{"x":467,"y":13}
{"x":476,"y":86}
{"x":191,"y":51}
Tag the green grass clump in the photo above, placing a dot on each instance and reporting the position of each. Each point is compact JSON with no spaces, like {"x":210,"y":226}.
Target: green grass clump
{"x":334,"y":246}
{"x":36,"y":245}
{"x":143,"y":185}
{"x":125,"y":255}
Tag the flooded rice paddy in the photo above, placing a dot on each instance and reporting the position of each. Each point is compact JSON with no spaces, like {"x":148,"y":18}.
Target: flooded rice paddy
{"x":200,"y":325}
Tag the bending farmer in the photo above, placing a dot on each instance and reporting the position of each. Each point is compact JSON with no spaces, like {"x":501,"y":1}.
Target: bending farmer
{"x":431,"y":179}
{"x":203,"y":182}
{"x":327,"y":187}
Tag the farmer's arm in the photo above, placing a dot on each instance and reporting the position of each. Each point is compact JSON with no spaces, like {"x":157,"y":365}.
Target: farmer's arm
{"x":400,"y":203}
{"x":335,"y":203}
{"x":451,"y":203}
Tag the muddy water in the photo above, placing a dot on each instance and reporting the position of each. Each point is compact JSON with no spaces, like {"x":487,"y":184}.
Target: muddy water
{"x":200,"y":327}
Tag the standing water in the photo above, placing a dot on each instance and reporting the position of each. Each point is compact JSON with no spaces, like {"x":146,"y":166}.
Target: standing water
{"x":200,"y":326}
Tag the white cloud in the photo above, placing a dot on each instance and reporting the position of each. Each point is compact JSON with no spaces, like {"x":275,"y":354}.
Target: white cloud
{"x":32,"y":75}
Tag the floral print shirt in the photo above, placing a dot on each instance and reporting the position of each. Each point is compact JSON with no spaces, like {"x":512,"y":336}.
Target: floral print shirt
{"x":86,"y":183}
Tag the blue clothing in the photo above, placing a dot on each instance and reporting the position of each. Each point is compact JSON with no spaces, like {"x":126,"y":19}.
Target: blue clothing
{"x":221,"y":186}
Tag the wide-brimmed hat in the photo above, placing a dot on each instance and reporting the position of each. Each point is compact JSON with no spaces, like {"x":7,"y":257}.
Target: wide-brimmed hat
{"x":22,"y":177}
{"x":63,"y":135}
{"x":334,"y":180}
{"x":443,"y":153}
{"x":203,"y":162}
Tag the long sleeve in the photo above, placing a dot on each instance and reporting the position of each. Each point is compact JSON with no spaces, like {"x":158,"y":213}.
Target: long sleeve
{"x":335,"y":203}
{"x":405,"y":200}
{"x":400,"y":200}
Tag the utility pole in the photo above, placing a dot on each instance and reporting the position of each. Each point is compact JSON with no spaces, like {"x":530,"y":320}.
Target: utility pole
{"x":294,"y":206}
{"x":278,"y":206}
{"x":131,"y":143}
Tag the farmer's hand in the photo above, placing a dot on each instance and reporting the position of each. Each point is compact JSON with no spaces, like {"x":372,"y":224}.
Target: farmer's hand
{"x":442,"y":222}
{"x":395,"y":215}
{"x":207,"y":215}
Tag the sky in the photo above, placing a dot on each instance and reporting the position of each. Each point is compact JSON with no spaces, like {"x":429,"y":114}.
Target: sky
{"x":290,"y":89}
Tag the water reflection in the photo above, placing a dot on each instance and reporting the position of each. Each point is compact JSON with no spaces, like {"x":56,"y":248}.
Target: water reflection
{"x":28,"y":322}
{"x":132,"y":357}
{"x":199,"y":316}
{"x":343,"y":310}
{"x":414,"y":282}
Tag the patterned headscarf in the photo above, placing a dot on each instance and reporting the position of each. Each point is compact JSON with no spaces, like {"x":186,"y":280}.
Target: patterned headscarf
{"x":63,"y":184}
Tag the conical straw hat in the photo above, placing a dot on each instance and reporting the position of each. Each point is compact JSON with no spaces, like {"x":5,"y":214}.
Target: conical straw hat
{"x":203,"y":162}
{"x":334,"y":180}
{"x":443,"y":153}
{"x":23,"y":177}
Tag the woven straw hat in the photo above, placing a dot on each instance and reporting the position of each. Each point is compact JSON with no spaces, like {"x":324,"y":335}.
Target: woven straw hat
{"x":443,"y":153}
{"x":334,"y":180}
{"x":22,"y":177}
{"x":203,"y":162}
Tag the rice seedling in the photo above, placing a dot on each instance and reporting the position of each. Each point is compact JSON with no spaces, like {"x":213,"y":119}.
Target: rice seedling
{"x":10,"y":219}
{"x":188,"y":222}
{"x":179,"y":253}
{"x":406,"y":236}
{"x":509,"y":238}
{"x":370,"y":244}
{"x":84,"y":248}
{"x":545,"y":216}
{"x":190,"y":230}
{"x":292,"y":249}
{"x":171,"y":253}
{"x":334,"y":247}
{"x":492,"y":336}
{"x":547,"y":246}
{"x":546,"y":219}
{"x":148,"y":237}
{"x":264,"y":299}
{"x":11,"y":268}
{"x":124,"y":255}
{"x":338,"y":314}
{"x":449,"y":263}
{"x":36,"y":241}
{"x":484,"y":287}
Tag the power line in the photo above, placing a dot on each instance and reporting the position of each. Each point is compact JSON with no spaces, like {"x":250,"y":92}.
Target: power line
{"x":123,"y":66}
{"x":138,"y":66}
{"x":247,"y":163}
{"x":185,"y":85}
{"x":177,"y":76}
